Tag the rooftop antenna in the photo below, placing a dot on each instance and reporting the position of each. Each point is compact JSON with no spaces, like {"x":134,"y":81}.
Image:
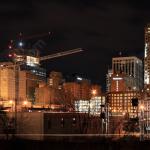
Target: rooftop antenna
{"x":120,"y":53}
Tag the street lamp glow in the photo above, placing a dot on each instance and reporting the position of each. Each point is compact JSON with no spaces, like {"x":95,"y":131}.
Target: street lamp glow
{"x":94,"y":92}
{"x":11,"y":102}
{"x":141,"y":107}
{"x":25,"y":103}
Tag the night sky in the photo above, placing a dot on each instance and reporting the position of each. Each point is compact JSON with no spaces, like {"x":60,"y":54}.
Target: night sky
{"x":102,"y":28}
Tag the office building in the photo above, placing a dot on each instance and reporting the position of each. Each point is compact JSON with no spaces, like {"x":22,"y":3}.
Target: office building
{"x":120,"y":103}
{"x":73,"y":90}
{"x":55,"y":80}
{"x":131,"y":66}
{"x":85,"y":89}
{"x":49,"y":97}
{"x":121,"y":82}
{"x":20,"y":85}
{"x":92,"y":106}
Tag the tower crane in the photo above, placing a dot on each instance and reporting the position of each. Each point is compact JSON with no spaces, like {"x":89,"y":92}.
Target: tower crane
{"x":21,"y":59}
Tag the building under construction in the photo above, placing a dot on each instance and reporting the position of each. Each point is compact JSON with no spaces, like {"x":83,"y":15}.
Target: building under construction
{"x":21,"y":76}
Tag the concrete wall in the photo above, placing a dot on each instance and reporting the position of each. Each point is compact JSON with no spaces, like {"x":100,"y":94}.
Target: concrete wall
{"x":30,"y":125}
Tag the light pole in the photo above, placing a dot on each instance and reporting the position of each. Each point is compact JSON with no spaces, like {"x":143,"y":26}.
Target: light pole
{"x":107,"y":110}
{"x":93,"y":92}
{"x":141,"y":122}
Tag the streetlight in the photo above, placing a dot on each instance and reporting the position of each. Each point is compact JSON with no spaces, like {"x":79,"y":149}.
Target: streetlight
{"x":11,"y":103}
{"x":25,"y":104}
{"x":94,"y":92}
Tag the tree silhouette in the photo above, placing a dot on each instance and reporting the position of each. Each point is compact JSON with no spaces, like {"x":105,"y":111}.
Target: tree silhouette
{"x":131,"y":125}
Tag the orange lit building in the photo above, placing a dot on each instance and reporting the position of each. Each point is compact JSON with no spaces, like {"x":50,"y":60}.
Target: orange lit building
{"x":80,"y":90}
{"x":85,"y":90}
{"x":21,"y":86}
{"x":55,"y":79}
{"x":73,"y":89}
{"x":121,"y":102}
{"x":121,"y":82}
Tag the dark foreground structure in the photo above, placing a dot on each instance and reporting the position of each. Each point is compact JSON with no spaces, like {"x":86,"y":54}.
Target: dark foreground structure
{"x":77,"y":143}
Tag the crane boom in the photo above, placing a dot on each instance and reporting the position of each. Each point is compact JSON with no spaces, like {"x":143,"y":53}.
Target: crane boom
{"x":60,"y":54}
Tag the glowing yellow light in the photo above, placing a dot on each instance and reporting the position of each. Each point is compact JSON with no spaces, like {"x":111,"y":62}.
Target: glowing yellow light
{"x":114,"y":110}
{"x":141,"y":107}
{"x":11,"y":102}
{"x":25,"y":103}
{"x":94,"y":92}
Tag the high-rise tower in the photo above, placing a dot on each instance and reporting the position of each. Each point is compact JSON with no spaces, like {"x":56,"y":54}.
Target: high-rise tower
{"x":131,"y":66}
{"x":147,"y":56}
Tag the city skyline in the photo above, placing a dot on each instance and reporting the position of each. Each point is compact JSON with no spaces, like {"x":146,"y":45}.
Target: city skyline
{"x":95,"y":26}
{"x":75,"y":74}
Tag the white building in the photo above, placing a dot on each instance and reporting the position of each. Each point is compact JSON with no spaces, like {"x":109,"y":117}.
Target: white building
{"x":92,"y":106}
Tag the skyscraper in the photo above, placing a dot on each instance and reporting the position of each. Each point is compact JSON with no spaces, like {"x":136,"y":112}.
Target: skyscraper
{"x":108,"y":80}
{"x":147,"y":56}
{"x":131,"y":66}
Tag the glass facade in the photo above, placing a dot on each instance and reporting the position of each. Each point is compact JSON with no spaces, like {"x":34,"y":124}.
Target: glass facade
{"x":92,"y":106}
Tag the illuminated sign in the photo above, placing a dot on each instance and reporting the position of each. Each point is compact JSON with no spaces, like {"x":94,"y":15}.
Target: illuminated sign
{"x":117,"y":78}
{"x":32,"y":61}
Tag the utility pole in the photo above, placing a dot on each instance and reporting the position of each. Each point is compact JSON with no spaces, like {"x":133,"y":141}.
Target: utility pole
{"x":107,"y":117}
{"x":103,"y":118}
{"x":141,"y":122}
{"x":107,"y":109}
